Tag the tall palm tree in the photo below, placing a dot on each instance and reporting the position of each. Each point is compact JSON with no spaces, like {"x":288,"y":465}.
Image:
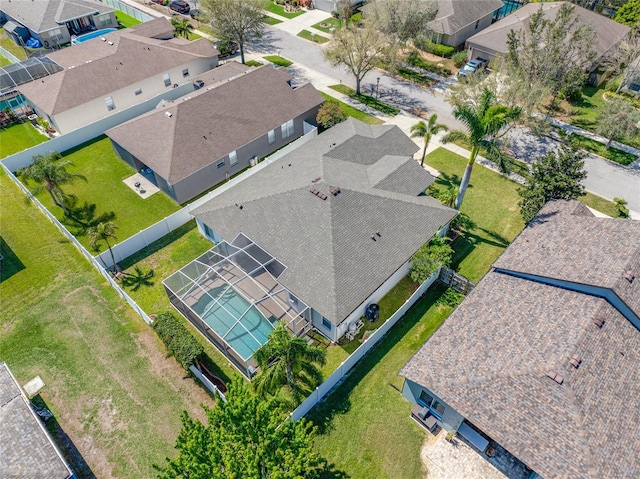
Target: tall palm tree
{"x":49,"y":172}
{"x":181,"y":27}
{"x":103,"y":231}
{"x":484,"y":121}
{"x":426,"y":131}
{"x":288,"y":361}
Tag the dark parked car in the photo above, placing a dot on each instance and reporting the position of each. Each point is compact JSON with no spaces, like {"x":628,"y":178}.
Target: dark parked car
{"x":194,"y":13}
{"x":180,"y":6}
{"x":473,"y":66}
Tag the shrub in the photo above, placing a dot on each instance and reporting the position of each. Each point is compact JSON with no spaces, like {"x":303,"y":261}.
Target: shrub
{"x":416,"y":60}
{"x":355,"y":19}
{"x":459,"y":58}
{"x":178,"y":340}
{"x":330,"y":113}
{"x":434,"y":48}
{"x":253,"y":63}
{"x":429,"y":258}
{"x":621,"y":204}
{"x":450,"y":298}
{"x":335,"y":14}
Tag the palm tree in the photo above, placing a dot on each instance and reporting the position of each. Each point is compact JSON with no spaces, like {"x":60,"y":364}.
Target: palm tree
{"x":103,"y":231}
{"x":426,"y":131}
{"x":484,"y":121}
{"x":181,"y":27}
{"x":286,"y":360}
{"x":49,"y":172}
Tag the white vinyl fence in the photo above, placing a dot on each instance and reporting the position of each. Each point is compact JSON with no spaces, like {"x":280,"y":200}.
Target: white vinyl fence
{"x":342,"y":370}
{"x":129,"y":10}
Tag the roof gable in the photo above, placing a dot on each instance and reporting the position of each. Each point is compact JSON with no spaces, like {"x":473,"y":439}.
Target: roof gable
{"x":454,"y":15}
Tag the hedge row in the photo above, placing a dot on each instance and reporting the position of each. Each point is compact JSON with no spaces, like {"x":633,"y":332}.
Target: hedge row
{"x":416,"y":60}
{"x":178,"y":340}
{"x":434,"y":48}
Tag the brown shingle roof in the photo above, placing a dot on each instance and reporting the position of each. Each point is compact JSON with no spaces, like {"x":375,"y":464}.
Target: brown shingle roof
{"x":211,"y":123}
{"x":454,"y":15}
{"x":490,"y":359}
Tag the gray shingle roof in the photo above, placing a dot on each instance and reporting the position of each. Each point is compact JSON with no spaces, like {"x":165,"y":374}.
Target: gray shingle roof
{"x":43,"y":15}
{"x":94,"y":69}
{"x":608,"y":32}
{"x":211,"y":123}
{"x":454,"y":15}
{"x":332,"y":262}
{"x":490,"y":359}
{"x":26,"y":451}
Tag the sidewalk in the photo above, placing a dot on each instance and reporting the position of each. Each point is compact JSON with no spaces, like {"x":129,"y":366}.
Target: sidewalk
{"x":301,"y":22}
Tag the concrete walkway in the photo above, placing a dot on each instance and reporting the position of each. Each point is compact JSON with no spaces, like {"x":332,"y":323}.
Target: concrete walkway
{"x":301,"y":22}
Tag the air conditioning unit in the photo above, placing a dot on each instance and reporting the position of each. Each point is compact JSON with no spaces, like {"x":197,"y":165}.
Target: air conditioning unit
{"x":253,"y":161}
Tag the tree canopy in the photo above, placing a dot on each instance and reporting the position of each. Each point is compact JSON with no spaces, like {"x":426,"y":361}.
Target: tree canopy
{"x":246,"y":437}
{"x":103,"y":231}
{"x":431,"y":256}
{"x":629,"y":13}
{"x":556,"y":175}
{"x":402,"y":20}
{"x":426,"y":131}
{"x":617,"y":120}
{"x":181,"y":27}
{"x":330,"y":113}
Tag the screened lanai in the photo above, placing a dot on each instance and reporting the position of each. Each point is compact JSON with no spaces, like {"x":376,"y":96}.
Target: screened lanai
{"x":25,"y":71}
{"x":231,"y":293}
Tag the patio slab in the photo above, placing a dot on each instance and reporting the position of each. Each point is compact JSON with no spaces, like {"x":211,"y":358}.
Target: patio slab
{"x":145,"y":189}
{"x":445,"y":460}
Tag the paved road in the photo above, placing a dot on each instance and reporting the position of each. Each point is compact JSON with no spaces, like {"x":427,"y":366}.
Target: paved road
{"x":604,"y":178}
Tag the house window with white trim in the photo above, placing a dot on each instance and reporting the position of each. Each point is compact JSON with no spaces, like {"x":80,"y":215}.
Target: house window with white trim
{"x":110,"y":104}
{"x":326,"y":324}
{"x":272,"y":137}
{"x":220,"y":163}
{"x":233,"y":158}
{"x":426,"y":400}
{"x":287,"y":129}
{"x":167,"y":79}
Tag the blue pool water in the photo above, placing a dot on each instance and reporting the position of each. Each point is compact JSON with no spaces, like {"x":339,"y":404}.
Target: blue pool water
{"x":222,"y":315}
{"x":90,"y":35}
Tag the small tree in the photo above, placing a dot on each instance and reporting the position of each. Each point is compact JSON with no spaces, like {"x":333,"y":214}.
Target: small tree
{"x":617,"y":120}
{"x":181,"y":27}
{"x":426,"y":131}
{"x":556,"y":175}
{"x":104,"y":231}
{"x":359,"y":50}
{"x":330,"y":113}
{"x":431,"y":256}
{"x":402,"y":20}
{"x":621,"y":205}
{"x":629,"y":13}
{"x":179,"y":341}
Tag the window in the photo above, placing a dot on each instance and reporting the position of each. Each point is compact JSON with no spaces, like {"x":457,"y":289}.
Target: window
{"x":105,"y":20}
{"x":207,"y":231}
{"x":425,"y":399}
{"x":326,"y":323}
{"x":56,"y":34}
{"x":137,"y":91}
{"x":167,"y":79}
{"x":220,"y":163}
{"x":272,"y":137}
{"x":634,"y":87}
{"x":233,"y":158}
{"x":435,"y":407}
{"x":287,"y":129}
{"x":110,"y":104}
{"x":185,"y":72}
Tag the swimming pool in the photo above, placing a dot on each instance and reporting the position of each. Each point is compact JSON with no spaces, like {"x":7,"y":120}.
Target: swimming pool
{"x":90,"y":35}
{"x":244,"y":336}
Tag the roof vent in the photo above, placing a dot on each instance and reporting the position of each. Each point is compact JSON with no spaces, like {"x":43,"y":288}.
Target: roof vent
{"x":110,"y":43}
{"x":319,"y":194}
{"x":598,"y":321}
{"x":315,"y":180}
{"x":335,"y":191}
{"x":576,"y":360}
{"x":628,"y":275}
{"x":555,"y":376}
{"x":239,"y":206}
{"x":168,"y":114}
{"x":103,"y":39}
{"x":373,"y":237}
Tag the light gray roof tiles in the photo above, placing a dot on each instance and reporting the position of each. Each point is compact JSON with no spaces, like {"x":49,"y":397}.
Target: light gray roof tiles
{"x":43,"y":15}
{"x":332,"y":262}
{"x":454,"y":15}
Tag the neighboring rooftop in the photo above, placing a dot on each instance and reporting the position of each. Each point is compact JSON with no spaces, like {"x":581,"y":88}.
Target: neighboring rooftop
{"x":26,"y":450}
{"x":367,"y":183}
{"x":43,"y":15}
{"x":608,"y":32}
{"x":454,"y":15}
{"x":492,"y":358}
{"x":96,"y":68}
{"x":181,"y":137}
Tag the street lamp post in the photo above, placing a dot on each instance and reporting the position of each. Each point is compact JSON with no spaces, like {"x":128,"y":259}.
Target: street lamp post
{"x":377,"y":87}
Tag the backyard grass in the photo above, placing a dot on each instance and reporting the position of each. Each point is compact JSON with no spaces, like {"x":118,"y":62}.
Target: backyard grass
{"x":279,"y":10}
{"x":312,"y":37}
{"x":328,"y":24}
{"x":269,"y":20}
{"x":104,"y":196}
{"x":278,"y":60}
{"x":11,"y":47}
{"x":491,"y":202}
{"x":364,"y":425}
{"x":4,"y":61}
{"x":366,"y":100}
{"x":18,"y":137}
{"x":125,"y":20}
{"x":354,"y":112}
{"x":108,"y":380}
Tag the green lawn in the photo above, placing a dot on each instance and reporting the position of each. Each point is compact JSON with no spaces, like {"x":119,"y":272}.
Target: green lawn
{"x":104,"y":196}
{"x":271,"y":20}
{"x":278,"y":60}
{"x":126,"y":20}
{"x":354,"y":112}
{"x":279,"y":10}
{"x":600,"y":204}
{"x":11,"y":47}
{"x":4,"y":61}
{"x":598,"y":148}
{"x":18,"y":137}
{"x":194,"y":36}
{"x":366,"y":100}
{"x":586,"y":109}
{"x":312,"y":37}
{"x":491,"y":201}
{"x":108,"y":381}
{"x":327,"y":24}
{"x":364,"y":425}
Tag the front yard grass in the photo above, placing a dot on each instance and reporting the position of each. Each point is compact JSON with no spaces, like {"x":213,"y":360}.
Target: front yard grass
{"x":313,"y":37}
{"x":328,"y":24}
{"x":104,"y":196}
{"x":364,"y":425}
{"x":491,"y":202}
{"x":269,"y":20}
{"x":18,"y":137}
{"x":613,"y":154}
{"x":278,"y":60}
{"x":354,"y":112}
{"x":279,"y":10}
{"x":600,"y":204}
{"x":586,"y":110}
{"x":366,"y":100}
{"x":108,"y":380}
{"x":126,"y":21}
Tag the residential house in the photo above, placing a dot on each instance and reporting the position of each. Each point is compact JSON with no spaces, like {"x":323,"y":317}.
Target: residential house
{"x":323,"y":232}
{"x":632,"y":80}
{"x":457,"y":20}
{"x":26,"y":450}
{"x":492,"y":41}
{"x":54,"y":21}
{"x":106,"y":75}
{"x":543,"y":356}
{"x":238,"y":115}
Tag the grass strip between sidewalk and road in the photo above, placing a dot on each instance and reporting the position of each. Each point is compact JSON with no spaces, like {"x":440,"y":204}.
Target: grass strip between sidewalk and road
{"x":278,"y":60}
{"x":354,"y":112}
{"x":366,"y":100}
{"x":312,"y":37}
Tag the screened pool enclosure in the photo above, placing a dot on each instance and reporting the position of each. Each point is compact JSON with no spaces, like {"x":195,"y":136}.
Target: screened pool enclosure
{"x":232,"y":295}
